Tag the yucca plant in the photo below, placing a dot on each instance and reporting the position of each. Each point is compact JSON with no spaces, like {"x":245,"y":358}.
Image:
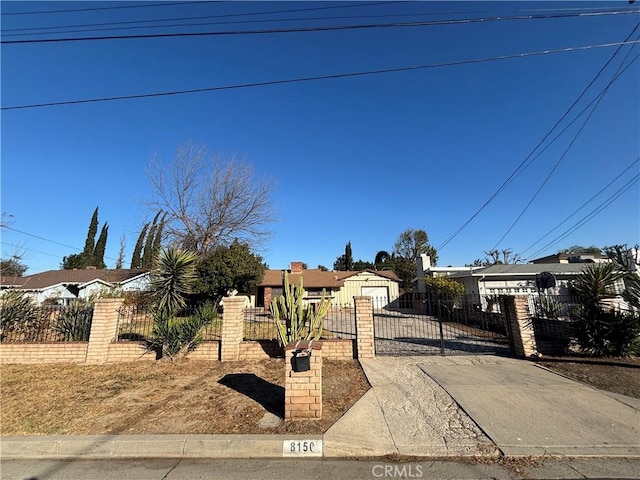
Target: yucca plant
{"x":546,"y":307}
{"x":600,"y":329}
{"x":19,"y":315}
{"x":176,"y":336}
{"x":294,"y":320}
{"x":174,"y":279}
{"x":74,"y":322}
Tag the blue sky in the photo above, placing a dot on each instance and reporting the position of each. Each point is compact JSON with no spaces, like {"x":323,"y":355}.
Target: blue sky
{"x":355,"y":159}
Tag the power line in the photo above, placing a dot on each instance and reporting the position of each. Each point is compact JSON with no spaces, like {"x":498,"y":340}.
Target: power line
{"x":316,"y":29}
{"x":226,"y":15}
{"x":319,"y":77}
{"x":521,"y":167}
{"x":590,"y":215}
{"x":29,"y":249}
{"x":584,"y":204}
{"x":47,"y":240}
{"x":116,"y":25}
{"x":566,"y":151}
{"x":148,"y":5}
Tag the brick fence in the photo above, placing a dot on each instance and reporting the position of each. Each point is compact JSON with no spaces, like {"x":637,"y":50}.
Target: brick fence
{"x":102,"y":346}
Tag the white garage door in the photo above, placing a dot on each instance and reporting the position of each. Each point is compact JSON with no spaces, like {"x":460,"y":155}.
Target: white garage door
{"x":380,"y":295}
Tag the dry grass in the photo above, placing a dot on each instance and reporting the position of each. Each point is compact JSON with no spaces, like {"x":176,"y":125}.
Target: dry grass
{"x":191,"y":397}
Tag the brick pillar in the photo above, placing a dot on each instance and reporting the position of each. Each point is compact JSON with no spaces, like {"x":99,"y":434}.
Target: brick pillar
{"x":303,"y":390}
{"x":268,"y":293}
{"x":232,"y":328}
{"x":104,"y":329}
{"x":519,"y":324}
{"x":364,"y":327}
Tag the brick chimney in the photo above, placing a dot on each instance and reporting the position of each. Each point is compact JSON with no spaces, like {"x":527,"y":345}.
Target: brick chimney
{"x":296,"y":267}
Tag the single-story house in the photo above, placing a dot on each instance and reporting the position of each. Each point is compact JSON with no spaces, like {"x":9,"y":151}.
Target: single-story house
{"x":573,"y":258}
{"x":63,"y":286}
{"x":340,"y":286}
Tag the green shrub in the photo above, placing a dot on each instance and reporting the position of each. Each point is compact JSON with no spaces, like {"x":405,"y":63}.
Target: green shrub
{"x":20,"y":316}
{"x":607,"y":332}
{"x":546,"y":307}
{"x":74,"y":322}
{"x":600,"y":330}
{"x":174,"y":336}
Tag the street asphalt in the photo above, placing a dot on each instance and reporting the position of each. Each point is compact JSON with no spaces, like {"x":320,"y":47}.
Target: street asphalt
{"x":426,"y":406}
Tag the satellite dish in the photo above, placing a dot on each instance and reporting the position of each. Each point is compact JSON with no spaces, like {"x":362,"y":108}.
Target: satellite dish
{"x":545,"y":280}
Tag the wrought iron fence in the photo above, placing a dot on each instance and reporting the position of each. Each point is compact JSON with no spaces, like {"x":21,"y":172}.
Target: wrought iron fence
{"x":551,"y":319}
{"x":260,"y":325}
{"x":423,"y":324}
{"x":135,"y":323}
{"x":47,"y":323}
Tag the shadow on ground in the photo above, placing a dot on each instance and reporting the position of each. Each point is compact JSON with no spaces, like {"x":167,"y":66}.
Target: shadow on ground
{"x":269,"y":395}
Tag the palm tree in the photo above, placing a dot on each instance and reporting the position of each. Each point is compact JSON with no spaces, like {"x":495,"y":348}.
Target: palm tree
{"x":174,"y":278}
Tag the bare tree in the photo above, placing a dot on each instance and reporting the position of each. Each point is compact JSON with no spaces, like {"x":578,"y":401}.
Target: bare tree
{"x":211,"y":200}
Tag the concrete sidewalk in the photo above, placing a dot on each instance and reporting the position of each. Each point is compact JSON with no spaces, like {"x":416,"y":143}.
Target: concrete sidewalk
{"x":417,"y":406}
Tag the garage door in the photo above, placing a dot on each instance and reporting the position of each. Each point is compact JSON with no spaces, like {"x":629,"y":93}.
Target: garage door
{"x":380,"y":295}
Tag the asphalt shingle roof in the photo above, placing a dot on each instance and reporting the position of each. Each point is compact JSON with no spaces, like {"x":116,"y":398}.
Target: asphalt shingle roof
{"x":55,"y":277}
{"x":314,"y":278}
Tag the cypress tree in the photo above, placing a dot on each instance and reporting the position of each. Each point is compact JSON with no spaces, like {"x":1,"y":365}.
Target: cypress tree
{"x":89,"y":243}
{"x":136,"y":261}
{"x":101,"y":245}
{"x":147,"y":255}
{"x":348,"y":257}
{"x":155,"y":249}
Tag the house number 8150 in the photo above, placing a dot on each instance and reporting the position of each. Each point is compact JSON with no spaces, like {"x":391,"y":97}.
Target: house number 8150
{"x":302,"y":448}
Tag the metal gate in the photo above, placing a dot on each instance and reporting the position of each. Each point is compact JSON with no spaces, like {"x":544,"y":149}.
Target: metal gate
{"x":416,"y":324}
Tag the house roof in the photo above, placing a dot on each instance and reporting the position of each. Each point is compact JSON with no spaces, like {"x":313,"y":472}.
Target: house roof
{"x":10,"y":281}
{"x":381,"y":273}
{"x":525,"y":269}
{"x":49,"y":278}
{"x":314,"y":278}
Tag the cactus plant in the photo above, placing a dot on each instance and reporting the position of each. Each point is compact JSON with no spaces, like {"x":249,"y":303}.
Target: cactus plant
{"x":294,"y":320}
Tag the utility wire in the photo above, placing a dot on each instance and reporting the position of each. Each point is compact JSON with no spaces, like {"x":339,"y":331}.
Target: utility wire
{"x":47,"y":240}
{"x":225,"y":15}
{"x":590,"y":215}
{"x":521,"y":167}
{"x":148,"y":5}
{"x":316,"y":29}
{"x":584,"y":204}
{"x":29,"y":249}
{"x":116,"y":25}
{"x":566,"y":151}
{"x":319,"y":77}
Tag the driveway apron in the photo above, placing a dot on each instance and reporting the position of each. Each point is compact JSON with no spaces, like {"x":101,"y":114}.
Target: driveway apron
{"x":528,"y":410}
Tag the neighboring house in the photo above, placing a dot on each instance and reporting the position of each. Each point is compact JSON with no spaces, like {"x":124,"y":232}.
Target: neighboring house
{"x":514,"y":279}
{"x":62,"y":286}
{"x":517,"y":279}
{"x":341,"y":287}
{"x":573,"y":258}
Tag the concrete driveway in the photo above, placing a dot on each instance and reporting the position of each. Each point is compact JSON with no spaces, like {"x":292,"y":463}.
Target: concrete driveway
{"x":475,"y":405}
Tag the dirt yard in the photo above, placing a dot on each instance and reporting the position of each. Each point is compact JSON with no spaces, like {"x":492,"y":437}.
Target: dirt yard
{"x":617,"y":375}
{"x":192,"y":397}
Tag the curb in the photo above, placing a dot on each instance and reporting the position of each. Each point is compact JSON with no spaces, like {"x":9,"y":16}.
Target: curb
{"x":165,"y":446}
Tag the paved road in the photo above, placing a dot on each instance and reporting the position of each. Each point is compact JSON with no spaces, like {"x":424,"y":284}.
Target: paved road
{"x":272,"y":469}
